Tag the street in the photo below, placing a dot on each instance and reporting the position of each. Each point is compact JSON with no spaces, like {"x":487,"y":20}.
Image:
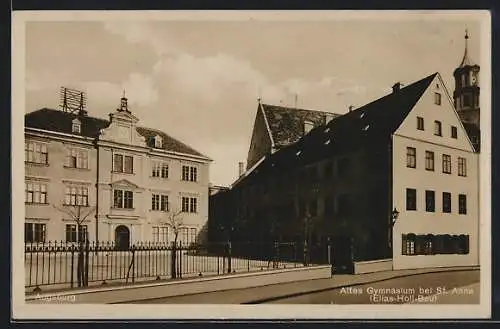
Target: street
{"x":385,"y":291}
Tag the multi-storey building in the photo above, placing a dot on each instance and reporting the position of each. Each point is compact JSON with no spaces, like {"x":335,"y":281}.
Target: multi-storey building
{"x":397,"y":177}
{"x":129,"y":179}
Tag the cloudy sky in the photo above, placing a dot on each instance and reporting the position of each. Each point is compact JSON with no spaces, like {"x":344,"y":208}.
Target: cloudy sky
{"x":199,"y":80}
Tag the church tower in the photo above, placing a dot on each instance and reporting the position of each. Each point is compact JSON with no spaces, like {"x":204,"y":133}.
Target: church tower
{"x":466,"y":94}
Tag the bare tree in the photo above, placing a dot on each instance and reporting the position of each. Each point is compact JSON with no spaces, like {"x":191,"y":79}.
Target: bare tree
{"x":79,"y":217}
{"x":175,"y":221}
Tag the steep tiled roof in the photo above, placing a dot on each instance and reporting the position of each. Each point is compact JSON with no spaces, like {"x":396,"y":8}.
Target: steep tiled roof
{"x":371,"y":123}
{"x":287,"y":124}
{"x":59,"y":121}
{"x":169,"y":143}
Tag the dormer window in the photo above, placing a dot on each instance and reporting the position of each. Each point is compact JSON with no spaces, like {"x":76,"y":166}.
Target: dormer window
{"x":76,"y":126}
{"x":158,"y":141}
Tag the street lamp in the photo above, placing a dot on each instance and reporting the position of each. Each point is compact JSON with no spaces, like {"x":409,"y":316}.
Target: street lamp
{"x":394,"y":217}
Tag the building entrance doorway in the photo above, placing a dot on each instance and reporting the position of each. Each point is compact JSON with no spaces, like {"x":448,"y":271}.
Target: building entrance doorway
{"x":122,"y":237}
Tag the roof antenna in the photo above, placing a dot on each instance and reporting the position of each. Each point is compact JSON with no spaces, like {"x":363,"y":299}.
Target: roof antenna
{"x":296,"y":99}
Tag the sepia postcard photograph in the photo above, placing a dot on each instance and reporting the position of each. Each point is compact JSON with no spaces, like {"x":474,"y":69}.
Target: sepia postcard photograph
{"x":251,"y":165}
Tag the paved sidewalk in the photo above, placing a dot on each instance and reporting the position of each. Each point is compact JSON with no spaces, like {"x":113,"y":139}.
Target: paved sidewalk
{"x":271,"y":292}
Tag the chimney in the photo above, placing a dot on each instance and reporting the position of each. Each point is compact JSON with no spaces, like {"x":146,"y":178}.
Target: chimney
{"x":351,"y":107}
{"x":241,"y":169}
{"x":396,"y":87}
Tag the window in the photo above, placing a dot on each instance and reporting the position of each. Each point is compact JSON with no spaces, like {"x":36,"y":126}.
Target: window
{"x":76,"y":158}
{"x":437,"y":128}
{"x":446,"y":164}
{"x":192,"y":235}
{"x":185,"y":235}
{"x":76,"y":126}
{"x":159,"y":202}
{"x":430,"y":201}
{"x":129,"y":164}
{"x":35,"y":152}
{"x":462,"y":204}
{"x":454,"y":132}
{"x":35,"y":192}
{"x":160,"y":234}
{"x":446,"y":202}
{"x":76,"y":195}
{"x":123,"y":199}
{"x":158,"y":142}
{"x":123,"y":164}
{"x":411,"y":199}
{"x":429,"y":160}
{"x":420,"y":123}
{"x":189,"y":173}
{"x":189,"y":204}
{"x":411,"y":157}
{"x":34,"y":232}
{"x":408,"y":244}
{"x":430,"y":244}
{"x":437,"y":98}
{"x":72,"y":233}
{"x":467,"y":100}
{"x":462,"y":167}
{"x":159,"y":169}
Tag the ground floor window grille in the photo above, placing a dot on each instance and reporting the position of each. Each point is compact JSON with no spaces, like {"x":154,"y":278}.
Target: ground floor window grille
{"x":429,"y":244}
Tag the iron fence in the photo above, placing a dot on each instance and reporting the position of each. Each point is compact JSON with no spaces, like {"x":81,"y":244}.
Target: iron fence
{"x":62,"y":265}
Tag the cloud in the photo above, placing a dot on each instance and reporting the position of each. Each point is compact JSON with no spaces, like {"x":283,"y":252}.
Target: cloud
{"x":143,"y":33}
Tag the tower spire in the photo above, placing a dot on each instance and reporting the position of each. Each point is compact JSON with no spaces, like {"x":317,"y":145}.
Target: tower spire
{"x":466,"y":60}
{"x":124,"y":103}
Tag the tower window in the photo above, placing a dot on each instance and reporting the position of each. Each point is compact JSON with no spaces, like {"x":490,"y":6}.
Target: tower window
{"x":420,"y":123}
{"x":467,"y":101}
{"x":437,"y":98}
{"x":454,"y":132}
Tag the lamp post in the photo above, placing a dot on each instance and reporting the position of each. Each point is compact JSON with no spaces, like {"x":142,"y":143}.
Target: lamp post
{"x":394,"y":217}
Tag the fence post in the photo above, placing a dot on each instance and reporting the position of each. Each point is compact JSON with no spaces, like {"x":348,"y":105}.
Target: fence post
{"x":72,"y":265}
{"x":330,"y":254}
{"x":179,"y":272}
{"x":173,"y":268}
{"x":133,"y":264}
{"x":229,"y":256}
{"x":86,"y":274}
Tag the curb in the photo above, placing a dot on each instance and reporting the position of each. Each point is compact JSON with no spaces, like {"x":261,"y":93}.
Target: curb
{"x":297,"y":294}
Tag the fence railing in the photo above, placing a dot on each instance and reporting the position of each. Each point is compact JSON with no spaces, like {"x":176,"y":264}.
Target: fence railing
{"x":62,"y":265}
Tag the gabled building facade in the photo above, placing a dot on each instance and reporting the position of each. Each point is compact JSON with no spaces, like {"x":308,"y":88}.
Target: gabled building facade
{"x":132,"y":178}
{"x":364,"y":181}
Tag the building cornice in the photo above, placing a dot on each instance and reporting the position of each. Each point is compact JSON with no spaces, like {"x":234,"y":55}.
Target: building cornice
{"x":59,"y":136}
{"x":154,"y":152}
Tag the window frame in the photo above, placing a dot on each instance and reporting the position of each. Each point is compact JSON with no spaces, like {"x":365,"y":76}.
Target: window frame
{"x":123,"y":199}
{"x":420,"y":123}
{"x":438,"y":128}
{"x":429,"y":161}
{"x":37,"y":236}
{"x":437,"y":98}
{"x":446,"y":163}
{"x":454,"y":132}
{"x":430,"y":201}
{"x":32,"y":189}
{"x":447,"y":207}
{"x":37,"y":151}
{"x":411,"y":199}
{"x":462,"y":204}
{"x":411,"y":157}
{"x":462,"y":167}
